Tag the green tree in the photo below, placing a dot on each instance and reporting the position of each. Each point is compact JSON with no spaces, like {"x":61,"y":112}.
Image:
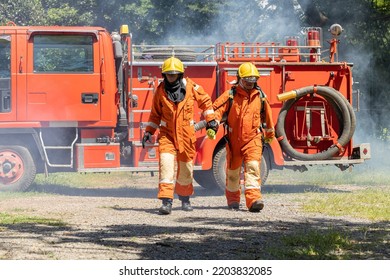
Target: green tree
{"x":22,"y":12}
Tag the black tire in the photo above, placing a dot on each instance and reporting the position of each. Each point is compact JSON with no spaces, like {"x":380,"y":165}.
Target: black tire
{"x":219,"y":169}
{"x":204,"y":178}
{"x":264,"y":167}
{"x":215,"y":178}
{"x":17,"y":169}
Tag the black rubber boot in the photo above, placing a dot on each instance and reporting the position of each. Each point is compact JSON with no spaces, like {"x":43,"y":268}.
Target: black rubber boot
{"x":166,"y":207}
{"x":234,"y":206}
{"x":257,"y":206}
{"x":185,"y":203}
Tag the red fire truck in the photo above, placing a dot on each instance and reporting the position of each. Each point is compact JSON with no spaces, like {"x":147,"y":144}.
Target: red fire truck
{"x":77,"y":99}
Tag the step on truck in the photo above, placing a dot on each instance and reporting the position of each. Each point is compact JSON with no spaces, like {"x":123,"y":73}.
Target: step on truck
{"x":77,"y":99}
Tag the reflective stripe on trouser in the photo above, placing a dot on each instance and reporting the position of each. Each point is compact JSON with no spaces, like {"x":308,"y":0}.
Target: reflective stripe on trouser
{"x":167,"y":172}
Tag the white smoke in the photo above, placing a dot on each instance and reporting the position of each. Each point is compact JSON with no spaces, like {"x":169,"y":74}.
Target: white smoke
{"x":262,"y":21}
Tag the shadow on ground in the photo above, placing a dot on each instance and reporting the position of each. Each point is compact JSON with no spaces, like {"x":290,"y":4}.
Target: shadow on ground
{"x":150,"y":192}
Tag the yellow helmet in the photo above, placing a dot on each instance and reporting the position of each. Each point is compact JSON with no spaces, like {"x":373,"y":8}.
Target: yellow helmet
{"x":247,"y":70}
{"x":172,"y":65}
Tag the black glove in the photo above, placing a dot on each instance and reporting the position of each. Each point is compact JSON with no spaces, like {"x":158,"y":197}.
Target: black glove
{"x":211,"y":129}
{"x":212,"y":125}
{"x":147,"y":138}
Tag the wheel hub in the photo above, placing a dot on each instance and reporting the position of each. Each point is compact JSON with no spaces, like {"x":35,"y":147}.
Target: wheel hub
{"x":11,"y":167}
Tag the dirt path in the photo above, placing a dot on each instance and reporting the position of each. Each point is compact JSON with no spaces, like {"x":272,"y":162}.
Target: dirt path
{"x":123,"y":223}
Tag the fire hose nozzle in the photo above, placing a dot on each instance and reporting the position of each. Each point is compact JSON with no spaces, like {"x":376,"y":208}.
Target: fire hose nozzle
{"x":287,"y":95}
{"x":200,"y":125}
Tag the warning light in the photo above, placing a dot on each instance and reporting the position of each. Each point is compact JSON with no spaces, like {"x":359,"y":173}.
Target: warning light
{"x":314,"y":37}
{"x":292,"y":41}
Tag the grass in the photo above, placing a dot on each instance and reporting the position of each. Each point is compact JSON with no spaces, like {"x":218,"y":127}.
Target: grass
{"x":369,"y":200}
{"x":329,"y":175}
{"x":371,"y":204}
{"x":10,"y":219}
{"x":334,"y":243}
{"x":18,"y":218}
{"x":351,"y":241}
{"x":313,"y":244}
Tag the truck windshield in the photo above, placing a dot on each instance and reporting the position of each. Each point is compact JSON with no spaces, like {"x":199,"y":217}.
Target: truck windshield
{"x":63,"y":53}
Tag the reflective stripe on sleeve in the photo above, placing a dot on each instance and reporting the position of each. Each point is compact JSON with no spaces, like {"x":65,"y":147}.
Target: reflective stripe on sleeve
{"x":152,"y":124}
{"x":208,"y":112}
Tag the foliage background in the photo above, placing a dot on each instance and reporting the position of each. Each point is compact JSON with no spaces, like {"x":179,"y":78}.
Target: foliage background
{"x":365,"y":41}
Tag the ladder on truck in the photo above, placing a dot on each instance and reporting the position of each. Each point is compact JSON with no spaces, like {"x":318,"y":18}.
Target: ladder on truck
{"x":67,"y":148}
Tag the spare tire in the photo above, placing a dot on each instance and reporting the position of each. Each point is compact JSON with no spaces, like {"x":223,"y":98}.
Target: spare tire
{"x":183,"y":54}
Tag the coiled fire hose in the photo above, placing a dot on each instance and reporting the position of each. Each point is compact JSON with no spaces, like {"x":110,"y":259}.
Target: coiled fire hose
{"x":343,"y":110}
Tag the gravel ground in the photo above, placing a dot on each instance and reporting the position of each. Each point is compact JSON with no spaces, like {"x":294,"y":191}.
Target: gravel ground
{"x":123,"y":223}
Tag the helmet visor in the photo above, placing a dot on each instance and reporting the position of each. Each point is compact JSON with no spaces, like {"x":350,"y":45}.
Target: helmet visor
{"x":172,"y":72}
{"x":250,"y":79}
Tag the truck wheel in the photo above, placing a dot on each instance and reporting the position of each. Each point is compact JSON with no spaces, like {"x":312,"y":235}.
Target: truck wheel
{"x":204,"y":178}
{"x":219,"y":169}
{"x":17,"y":169}
{"x":215,"y":178}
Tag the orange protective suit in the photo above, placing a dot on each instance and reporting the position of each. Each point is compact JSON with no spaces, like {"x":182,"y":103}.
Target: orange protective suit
{"x":244,"y":141}
{"x":177,"y":136}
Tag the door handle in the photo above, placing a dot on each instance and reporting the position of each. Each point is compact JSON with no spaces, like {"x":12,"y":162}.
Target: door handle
{"x":89,"y":98}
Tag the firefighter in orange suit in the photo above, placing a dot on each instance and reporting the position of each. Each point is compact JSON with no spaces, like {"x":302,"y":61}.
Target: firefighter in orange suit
{"x":249,"y":123}
{"x":173,"y":113}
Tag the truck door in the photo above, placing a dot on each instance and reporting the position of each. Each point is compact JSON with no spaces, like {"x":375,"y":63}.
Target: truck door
{"x":63,"y":76}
